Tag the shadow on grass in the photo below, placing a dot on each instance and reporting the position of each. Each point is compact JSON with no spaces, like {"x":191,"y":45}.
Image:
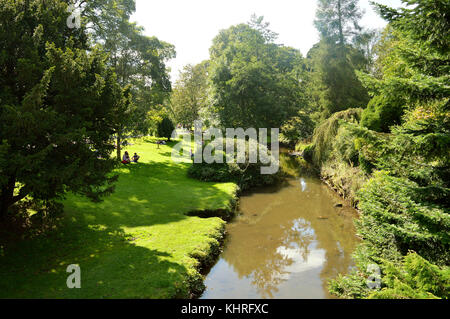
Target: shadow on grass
{"x":93,"y":236}
{"x":149,"y":194}
{"x":112,"y":266}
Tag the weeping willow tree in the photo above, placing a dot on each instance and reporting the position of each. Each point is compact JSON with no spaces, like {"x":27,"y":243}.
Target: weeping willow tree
{"x":325,"y":134}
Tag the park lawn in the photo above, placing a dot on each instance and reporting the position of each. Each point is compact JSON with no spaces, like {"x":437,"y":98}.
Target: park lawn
{"x":137,"y":243}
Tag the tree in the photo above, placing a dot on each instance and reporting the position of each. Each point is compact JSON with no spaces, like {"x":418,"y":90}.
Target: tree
{"x":333,"y":83}
{"x":366,"y":41}
{"x":297,"y":128}
{"x":165,"y":128}
{"x":338,"y":20}
{"x":138,"y":60}
{"x":55,"y":104}
{"x":190,"y":95}
{"x":406,"y":203}
{"x":254,"y":82}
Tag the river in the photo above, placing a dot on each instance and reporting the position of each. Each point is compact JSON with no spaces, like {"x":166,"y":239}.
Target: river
{"x":286,"y":242}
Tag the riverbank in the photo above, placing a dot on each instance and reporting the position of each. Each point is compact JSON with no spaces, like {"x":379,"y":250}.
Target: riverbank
{"x":140,"y":242}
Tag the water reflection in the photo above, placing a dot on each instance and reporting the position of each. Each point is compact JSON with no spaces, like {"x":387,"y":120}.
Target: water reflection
{"x":286,"y":243}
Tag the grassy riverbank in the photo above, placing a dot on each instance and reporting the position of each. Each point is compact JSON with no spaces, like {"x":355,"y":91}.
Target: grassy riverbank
{"x":137,"y":243}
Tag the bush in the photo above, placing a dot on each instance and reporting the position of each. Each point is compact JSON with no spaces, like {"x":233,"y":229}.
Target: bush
{"x":382,"y":113}
{"x":298,"y":128}
{"x":165,"y":128}
{"x":325,"y":134}
{"x":245,"y":176}
{"x":415,"y":278}
{"x":345,"y":179}
{"x":396,"y":219}
{"x":344,"y":149}
{"x":394,"y":205}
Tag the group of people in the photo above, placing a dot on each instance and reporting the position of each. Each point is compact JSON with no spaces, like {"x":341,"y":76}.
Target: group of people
{"x":127,"y":160}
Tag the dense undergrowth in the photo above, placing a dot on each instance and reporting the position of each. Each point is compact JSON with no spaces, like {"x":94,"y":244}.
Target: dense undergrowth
{"x":392,"y":159}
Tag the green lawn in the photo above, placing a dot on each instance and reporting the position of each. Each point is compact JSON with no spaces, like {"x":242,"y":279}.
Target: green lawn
{"x":137,"y":243}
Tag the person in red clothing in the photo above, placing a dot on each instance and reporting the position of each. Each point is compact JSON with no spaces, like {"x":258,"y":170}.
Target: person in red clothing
{"x":126,"y":158}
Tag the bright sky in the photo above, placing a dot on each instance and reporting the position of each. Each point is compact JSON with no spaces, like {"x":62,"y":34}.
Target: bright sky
{"x":191,"y":25}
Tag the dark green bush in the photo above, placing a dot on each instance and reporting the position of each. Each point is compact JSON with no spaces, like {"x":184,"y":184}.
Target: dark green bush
{"x":165,"y":128}
{"x":381,"y":113}
{"x":245,"y":176}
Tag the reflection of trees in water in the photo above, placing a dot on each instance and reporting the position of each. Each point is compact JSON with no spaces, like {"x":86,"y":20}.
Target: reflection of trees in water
{"x":258,"y":256}
{"x":338,"y":241}
{"x":292,"y":220}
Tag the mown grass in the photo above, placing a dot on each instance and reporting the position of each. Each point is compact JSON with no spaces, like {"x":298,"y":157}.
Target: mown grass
{"x":137,"y":243}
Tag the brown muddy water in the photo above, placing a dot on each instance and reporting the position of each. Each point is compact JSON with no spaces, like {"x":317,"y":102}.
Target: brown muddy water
{"x":286,"y":242}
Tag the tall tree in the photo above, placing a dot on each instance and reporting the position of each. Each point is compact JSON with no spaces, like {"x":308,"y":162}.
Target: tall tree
{"x":338,"y":19}
{"x":255,"y":82}
{"x":190,"y":94}
{"x":333,"y":83}
{"x":55,"y":104}
{"x":138,"y":60}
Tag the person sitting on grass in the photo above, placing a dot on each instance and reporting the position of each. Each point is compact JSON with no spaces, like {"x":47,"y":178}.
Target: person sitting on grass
{"x":126,"y":158}
{"x":135,"y":158}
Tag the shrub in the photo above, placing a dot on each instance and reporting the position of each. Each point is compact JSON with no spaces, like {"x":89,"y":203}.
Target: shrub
{"x":382,"y":113}
{"x":245,"y":176}
{"x":415,"y":278}
{"x":345,"y":179}
{"x":325,"y":134}
{"x":165,"y":128}
{"x":299,"y":127}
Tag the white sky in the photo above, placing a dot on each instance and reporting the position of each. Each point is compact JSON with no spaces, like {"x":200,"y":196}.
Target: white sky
{"x":191,"y":25}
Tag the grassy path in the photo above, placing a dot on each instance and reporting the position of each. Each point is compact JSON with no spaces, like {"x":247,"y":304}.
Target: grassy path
{"x":138,"y":243}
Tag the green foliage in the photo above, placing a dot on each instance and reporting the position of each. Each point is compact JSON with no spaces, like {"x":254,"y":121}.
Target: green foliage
{"x":190,"y":95}
{"x":139,"y":62}
{"x":246,"y":175}
{"x":56,"y":107}
{"x":308,"y":152}
{"x":381,"y":113}
{"x":297,"y":128}
{"x":254,"y":82}
{"x":165,"y":128}
{"x":405,"y":205}
{"x":352,"y":285}
{"x":416,"y":278}
{"x":395,"y":213}
{"x":344,"y":148}
{"x":344,"y":178}
{"x":338,"y":19}
{"x":333,"y":83}
{"x":325,"y":134}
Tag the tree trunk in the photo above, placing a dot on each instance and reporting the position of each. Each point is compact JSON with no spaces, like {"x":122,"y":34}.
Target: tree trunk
{"x":119,"y":141}
{"x":341,"y":32}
